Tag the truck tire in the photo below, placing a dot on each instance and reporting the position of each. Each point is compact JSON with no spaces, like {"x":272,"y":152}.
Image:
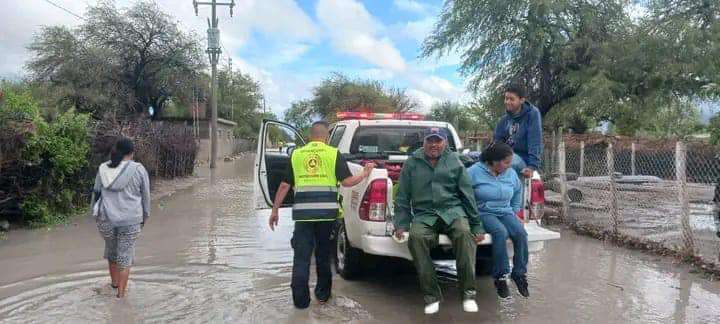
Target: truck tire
{"x":348,"y":260}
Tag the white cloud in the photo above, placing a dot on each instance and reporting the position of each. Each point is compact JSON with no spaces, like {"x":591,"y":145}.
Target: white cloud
{"x":417,"y":30}
{"x":281,"y":19}
{"x":411,"y":6}
{"x":425,"y":100}
{"x":431,"y":64}
{"x":286,"y":53}
{"x":23,"y":19}
{"x":431,"y":89}
{"x":353,"y":30}
{"x":435,"y":86}
{"x":377,"y":74}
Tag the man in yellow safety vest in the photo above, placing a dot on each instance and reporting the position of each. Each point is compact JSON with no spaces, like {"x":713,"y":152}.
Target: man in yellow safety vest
{"x":314,"y":172}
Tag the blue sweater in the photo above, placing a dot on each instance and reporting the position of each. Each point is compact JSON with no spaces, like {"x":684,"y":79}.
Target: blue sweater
{"x":524,"y":133}
{"x":498,"y":196}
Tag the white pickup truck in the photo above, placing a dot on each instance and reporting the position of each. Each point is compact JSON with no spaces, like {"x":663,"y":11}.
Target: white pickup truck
{"x":385,"y":139}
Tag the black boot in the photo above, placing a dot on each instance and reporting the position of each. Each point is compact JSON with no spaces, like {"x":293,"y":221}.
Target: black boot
{"x":522,"y":285}
{"x":502,"y":287}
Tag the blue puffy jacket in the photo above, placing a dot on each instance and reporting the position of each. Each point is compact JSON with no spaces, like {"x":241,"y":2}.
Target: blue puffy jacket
{"x":523,"y":132}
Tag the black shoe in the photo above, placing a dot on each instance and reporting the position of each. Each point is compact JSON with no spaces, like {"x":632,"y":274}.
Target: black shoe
{"x":502,"y":287}
{"x":302,"y":304}
{"x":522,"y":285}
{"x":322,"y":300}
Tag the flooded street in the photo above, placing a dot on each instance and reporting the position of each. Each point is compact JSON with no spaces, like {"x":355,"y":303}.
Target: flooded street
{"x":207,"y":256}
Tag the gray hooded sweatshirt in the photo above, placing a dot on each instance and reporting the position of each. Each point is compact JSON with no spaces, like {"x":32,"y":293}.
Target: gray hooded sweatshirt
{"x":124,"y":194}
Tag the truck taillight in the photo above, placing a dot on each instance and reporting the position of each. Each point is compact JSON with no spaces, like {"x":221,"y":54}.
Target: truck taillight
{"x":537,"y":199}
{"x":537,"y":196}
{"x":373,"y":205}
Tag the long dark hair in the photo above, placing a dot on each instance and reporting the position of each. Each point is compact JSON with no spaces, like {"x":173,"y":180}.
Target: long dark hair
{"x":122,"y":147}
{"x":496,"y":152}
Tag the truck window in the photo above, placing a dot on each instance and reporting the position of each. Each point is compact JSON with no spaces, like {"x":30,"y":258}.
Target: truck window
{"x":390,"y":139}
{"x":337,"y":135}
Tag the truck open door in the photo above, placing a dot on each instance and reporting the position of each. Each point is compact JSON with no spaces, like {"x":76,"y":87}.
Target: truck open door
{"x":276,"y":141}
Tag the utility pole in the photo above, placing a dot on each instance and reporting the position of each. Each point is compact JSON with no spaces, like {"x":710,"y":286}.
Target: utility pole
{"x":214,"y":53}
{"x":232,"y":97}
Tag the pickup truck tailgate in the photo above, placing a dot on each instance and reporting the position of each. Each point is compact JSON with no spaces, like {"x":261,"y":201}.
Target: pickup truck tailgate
{"x":535,"y":234}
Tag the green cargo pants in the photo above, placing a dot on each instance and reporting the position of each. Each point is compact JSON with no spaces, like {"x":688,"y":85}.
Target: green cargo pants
{"x":424,"y":237}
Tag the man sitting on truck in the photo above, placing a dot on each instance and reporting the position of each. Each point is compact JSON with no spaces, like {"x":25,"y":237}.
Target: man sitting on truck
{"x":435,"y":196}
{"x":521,"y":128}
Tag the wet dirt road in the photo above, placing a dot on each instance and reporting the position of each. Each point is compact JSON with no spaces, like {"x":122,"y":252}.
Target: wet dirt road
{"x":207,"y":256}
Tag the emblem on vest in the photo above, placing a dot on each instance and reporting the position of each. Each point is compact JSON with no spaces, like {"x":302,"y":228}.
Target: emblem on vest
{"x":312,"y":163}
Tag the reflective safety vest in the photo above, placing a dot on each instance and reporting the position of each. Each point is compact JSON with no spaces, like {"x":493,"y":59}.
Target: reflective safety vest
{"x":315,"y":186}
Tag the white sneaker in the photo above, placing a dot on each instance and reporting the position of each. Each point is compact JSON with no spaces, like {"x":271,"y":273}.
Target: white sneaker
{"x":433,"y":308}
{"x":470,"y":306}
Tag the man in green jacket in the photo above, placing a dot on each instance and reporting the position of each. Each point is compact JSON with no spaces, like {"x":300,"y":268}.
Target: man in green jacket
{"x":435,"y":196}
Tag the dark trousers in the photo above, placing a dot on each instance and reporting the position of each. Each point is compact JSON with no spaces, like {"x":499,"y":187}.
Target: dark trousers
{"x":424,"y":237}
{"x":309,"y":236}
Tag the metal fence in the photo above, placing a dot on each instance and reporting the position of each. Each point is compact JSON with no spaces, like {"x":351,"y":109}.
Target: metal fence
{"x":660,"y":196}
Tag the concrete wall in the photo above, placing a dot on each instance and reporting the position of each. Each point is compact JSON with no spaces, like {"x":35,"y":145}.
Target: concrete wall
{"x":226,"y":147}
{"x":227,"y":143}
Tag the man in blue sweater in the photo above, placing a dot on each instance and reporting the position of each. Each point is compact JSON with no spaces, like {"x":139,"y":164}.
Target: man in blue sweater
{"x":521,"y":128}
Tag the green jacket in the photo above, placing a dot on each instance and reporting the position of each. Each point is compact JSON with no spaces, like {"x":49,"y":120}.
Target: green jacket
{"x":426,"y":193}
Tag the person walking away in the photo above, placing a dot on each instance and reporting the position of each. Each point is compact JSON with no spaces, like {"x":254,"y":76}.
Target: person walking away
{"x":521,"y":129}
{"x":435,"y":196}
{"x":121,"y":206}
{"x":314,"y":172}
{"x":498,"y":192}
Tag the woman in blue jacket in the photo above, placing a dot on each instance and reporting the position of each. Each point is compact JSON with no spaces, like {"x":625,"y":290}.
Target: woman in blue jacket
{"x":498,"y":192}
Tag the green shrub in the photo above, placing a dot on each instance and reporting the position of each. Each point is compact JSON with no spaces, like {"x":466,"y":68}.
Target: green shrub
{"x":47,"y":168}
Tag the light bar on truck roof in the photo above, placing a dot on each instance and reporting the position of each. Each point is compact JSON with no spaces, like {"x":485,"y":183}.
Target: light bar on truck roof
{"x":347,"y":115}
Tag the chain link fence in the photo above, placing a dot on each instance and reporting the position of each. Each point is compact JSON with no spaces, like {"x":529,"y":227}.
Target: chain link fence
{"x":659,"y":195}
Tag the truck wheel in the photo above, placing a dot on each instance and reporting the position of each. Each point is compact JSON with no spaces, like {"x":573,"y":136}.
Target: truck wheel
{"x":483,"y":261}
{"x":348,"y":260}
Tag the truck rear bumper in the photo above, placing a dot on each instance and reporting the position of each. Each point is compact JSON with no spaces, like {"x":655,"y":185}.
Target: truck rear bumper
{"x":386,"y":246}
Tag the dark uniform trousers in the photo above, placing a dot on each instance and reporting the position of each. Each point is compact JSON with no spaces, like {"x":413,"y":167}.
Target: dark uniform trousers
{"x":309,"y":237}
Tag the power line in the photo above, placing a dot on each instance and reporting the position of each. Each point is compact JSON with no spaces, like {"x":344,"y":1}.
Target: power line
{"x":64,"y":9}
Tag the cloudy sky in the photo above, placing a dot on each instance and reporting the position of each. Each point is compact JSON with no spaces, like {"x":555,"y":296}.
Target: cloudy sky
{"x":289,"y":46}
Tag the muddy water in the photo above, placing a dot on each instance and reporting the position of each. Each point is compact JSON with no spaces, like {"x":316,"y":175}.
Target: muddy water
{"x":206,"y":256}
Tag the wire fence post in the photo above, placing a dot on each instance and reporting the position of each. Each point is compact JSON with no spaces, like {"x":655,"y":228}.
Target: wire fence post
{"x":581,"y":173}
{"x":681,"y":177}
{"x":564,"y":214}
{"x":632,"y":158}
{"x":615,"y":214}
{"x":553,"y":157}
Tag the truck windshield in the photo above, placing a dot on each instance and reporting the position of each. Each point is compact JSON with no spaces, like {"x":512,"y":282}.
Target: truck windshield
{"x":390,"y":139}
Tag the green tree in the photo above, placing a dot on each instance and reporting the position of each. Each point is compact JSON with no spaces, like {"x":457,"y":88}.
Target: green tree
{"x":124,"y":59}
{"x":454,"y":113}
{"x":240,"y":100}
{"x":537,"y":43}
{"x":690,"y":32}
{"x":485,"y":112}
{"x":585,"y":61}
{"x":300,"y":114}
{"x":339,"y":93}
